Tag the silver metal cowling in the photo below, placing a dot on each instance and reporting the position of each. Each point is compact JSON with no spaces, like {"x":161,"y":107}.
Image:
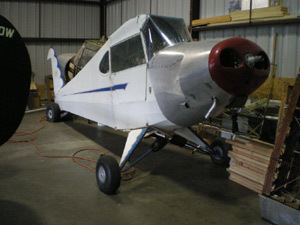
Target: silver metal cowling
{"x":182,"y":83}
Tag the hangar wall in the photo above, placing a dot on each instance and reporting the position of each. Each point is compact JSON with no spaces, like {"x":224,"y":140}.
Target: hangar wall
{"x":64,"y":26}
{"x":120,"y":11}
{"x":46,"y":24}
{"x":288,"y":47}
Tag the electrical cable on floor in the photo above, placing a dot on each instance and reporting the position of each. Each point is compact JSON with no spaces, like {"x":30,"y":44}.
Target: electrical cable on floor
{"x":32,"y":140}
{"x":126,"y":174}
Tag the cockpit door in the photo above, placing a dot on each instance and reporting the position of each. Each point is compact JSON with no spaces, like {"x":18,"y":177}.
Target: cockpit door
{"x":128,"y":66}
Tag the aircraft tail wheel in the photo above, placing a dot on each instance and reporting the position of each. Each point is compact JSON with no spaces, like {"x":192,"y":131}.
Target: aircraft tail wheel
{"x":108,"y":174}
{"x":53,"y":112}
{"x":219,"y":153}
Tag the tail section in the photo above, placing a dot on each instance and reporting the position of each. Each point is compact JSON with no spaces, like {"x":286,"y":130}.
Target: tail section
{"x":58,"y":81}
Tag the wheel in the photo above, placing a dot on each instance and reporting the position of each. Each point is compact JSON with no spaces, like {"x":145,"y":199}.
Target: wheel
{"x":219,"y":154}
{"x":108,"y":174}
{"x":53,"y":112}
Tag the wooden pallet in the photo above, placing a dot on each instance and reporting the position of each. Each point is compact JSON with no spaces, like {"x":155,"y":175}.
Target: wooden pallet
{"x":249,"y":162}
{"x":261,"y":13}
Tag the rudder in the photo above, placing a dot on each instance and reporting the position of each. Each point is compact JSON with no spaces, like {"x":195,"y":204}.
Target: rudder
{"x":58,"y":81}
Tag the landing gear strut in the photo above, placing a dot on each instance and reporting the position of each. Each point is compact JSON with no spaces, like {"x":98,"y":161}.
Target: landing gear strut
{"x":218,"y":150}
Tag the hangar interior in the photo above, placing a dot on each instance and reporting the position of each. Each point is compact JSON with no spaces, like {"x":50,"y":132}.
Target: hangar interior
{"x":48,"y":169}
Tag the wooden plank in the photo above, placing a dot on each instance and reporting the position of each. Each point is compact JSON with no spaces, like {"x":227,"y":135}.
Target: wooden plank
{"x":252,"y":148}
{"x":246,"y":183}
{"x":251,"y":175}
{"x":252,"y":155}
{"x":282,"y":132}
{"x":249,"y":166}
{"x":245,"y":23}
{"x":211,"y":20}
{"x":241,"y":158}
{"x":277,"y":11}
{"x":252,"y":144}
{"x":253,"y":141}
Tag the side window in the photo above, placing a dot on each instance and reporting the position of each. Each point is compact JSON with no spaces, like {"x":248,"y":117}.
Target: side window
{"x":104,"y":64}
{"x":127,"y":54}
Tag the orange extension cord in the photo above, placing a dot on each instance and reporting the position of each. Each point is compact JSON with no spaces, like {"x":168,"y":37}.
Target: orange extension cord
{"x":33,"y":137}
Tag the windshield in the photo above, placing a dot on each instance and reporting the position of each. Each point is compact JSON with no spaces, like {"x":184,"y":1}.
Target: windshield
{"x":160,"y":32}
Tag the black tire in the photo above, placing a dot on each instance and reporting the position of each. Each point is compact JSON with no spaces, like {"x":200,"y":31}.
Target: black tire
{"x":108,"y":174}
{"x":219,"y":154}
{"x":53,"y":112}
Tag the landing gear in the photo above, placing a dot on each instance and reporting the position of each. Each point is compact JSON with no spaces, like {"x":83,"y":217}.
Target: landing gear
{"x":108,"y":171}
{"x":53,"y":112}
{"x":218,"y":150}
{"x":219,"y":153}
{"x":108,"y":174}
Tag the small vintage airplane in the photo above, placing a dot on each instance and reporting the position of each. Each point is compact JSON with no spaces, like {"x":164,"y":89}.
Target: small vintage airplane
{"x":150,"y":78}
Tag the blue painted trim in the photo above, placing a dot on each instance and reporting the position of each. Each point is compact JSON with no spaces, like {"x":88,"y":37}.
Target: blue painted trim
{"x":112,"y":88}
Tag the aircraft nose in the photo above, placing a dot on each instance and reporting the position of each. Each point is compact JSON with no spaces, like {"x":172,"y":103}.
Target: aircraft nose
{"x":238,"y":66}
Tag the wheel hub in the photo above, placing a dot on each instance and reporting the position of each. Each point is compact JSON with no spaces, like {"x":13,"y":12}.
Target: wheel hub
{"x":102,"y":174}
{"x":50,"y":114}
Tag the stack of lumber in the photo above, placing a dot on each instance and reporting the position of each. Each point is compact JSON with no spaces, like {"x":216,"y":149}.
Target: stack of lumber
{"x":261,"y":13}
{"x":211,"y":20}
{"x":249,"y":162}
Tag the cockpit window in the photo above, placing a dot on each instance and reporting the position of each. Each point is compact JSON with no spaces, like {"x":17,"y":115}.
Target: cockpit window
{"x":127,"y":54}
{"x":153,"y":40}
{"x":160,"y":32}
{"x":104,"y":64}
{"x":86,"y":56}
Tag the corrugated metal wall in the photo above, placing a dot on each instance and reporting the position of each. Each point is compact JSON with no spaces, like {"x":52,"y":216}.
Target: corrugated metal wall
{"x":288,"y":47}
{"x":120,"y":11}
{"x":58,"y":20}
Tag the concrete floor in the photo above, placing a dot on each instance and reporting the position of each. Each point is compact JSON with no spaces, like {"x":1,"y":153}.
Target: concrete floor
{"x":170,"y":187}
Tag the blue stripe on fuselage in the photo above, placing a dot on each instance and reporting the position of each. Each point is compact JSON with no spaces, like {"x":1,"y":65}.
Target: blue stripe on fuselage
{"x":112,"y":88}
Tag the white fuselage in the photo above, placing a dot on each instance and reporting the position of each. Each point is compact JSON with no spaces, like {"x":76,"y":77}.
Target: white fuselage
{"x":130,"y":98}
{"x":156,"y":76}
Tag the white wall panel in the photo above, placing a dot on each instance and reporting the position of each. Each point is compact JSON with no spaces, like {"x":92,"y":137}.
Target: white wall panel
{"x":113,"y":17}
{"x":58,"y":20}
{"x":70,"y":20}
{"x":176,"y":8}
{"x":23,"y":15}
{"x":120,"y":11}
